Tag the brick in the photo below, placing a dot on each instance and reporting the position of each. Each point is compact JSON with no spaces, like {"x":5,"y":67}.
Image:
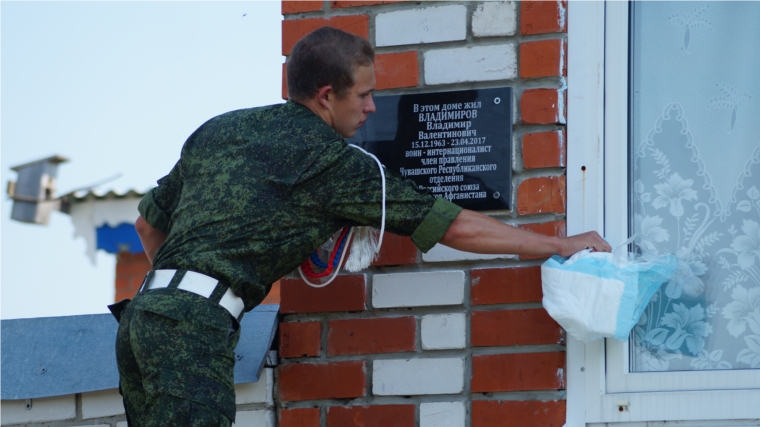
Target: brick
{"x":104,"y":403}
{"x":343,"y":3}
{"x":544,"y":150}
{"x":494,"y":19}
{"x":441,"y":253}
{"x":443,"y":331}
{"x":514,"y":327}
{"x":346,"y":293}
{"x":471,"y":64}
{"x":299,"y":417}
{"x":300,"y":339}
{"x":418,"y":289}
{"x":505,"y":285}
{"x":542,"y":106}
{"x":442,"y":414}
{"x":284,"y":81}
{"x":128,"y":257}
{"x":520,"y":371}
{"x":427,"y":25}
{"x":259,"y":392}
{"x":371,"y":416}
{"x":541,"y":17}
{"x":492,"y":413}
{"x":544,"y":194}
{"x":290,"y":6}
{"x":295,"y":29}
{"x":406,"y":377}
{"x":543,"y":58}
{"x":122,"y":424}
{"x":43,"y":409}
{"x":396,"y":250}
{"x":127,"y":286}
{"x":395,"y":70}
{"x":273,"y":297}
{"x":310,"y":381}
{"x":371,"y":336}
{"x":259,"y":418}
{"x":133,"y":267}
{"x":552,"y":228}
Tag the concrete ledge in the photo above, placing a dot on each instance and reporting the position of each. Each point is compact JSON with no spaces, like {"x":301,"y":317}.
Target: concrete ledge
{"x":102,"y":404}
{"x":258,"y":392}
{"x":262,"y":418}
{"x":43,"y":409}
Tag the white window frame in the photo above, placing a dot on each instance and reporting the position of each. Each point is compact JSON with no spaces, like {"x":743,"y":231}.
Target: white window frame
{"x":598,"y":379}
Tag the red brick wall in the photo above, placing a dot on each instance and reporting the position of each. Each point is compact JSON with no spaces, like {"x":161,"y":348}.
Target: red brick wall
{"x":331,"y":338}
{"x":132,"y":268}
{"x":130,"y":272}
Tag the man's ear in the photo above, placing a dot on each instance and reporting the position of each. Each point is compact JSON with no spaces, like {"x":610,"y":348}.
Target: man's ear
{"x":325,"y":96}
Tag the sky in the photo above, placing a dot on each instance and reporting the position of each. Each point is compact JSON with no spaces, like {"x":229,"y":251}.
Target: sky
{"x":116,"y":87}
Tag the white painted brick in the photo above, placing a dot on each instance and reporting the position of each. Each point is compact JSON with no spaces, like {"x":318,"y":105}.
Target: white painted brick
{"x":471,"y":64}
{"x":261,"y":418}
{"x":495,"y":19}
{"x":442,"y":414}
{"x":104,"y":403}
{"x":407,"y":377}
{"x":258,"y":392}
{"x":418,"y":289}
{"x":98,"y":425}
{"x":428,"y":25}
{"x":45,"y":409}
{"x":121,"y":424}
{"x":444,"y":331}
{"x":441,"y":253}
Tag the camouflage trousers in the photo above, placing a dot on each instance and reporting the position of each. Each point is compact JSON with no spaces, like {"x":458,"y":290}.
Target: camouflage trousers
{"x":174,"y":351}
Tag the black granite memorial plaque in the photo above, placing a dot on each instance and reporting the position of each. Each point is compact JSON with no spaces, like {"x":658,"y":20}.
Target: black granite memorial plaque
{"x":456,"y":144}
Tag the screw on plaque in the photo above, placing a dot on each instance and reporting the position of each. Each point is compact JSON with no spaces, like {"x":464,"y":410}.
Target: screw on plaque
{"x":496,"y":195}
{"x":497,"y":100}
{"x":238,"y":356}
{"x":43,"y":370}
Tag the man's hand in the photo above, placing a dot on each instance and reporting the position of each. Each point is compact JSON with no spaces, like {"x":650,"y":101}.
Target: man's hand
{"x":589,"y":240}
{"x":151,"y":238}
{"x":475,"y":232}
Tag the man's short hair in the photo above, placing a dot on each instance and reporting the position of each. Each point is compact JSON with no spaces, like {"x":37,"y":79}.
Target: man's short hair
{"x":326,"y":57}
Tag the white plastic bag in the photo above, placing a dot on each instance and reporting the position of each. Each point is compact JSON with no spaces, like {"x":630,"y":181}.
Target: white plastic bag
{"x":600,"y":294}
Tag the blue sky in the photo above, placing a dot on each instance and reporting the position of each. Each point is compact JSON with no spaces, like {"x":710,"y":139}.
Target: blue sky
{"x":116,"y":87}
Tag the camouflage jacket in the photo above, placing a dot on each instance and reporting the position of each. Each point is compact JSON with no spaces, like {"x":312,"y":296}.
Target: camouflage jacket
{"x":256,"y":191}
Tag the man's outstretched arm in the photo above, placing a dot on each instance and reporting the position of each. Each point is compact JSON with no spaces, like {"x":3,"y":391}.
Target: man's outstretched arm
{"x":474,"y":232}
{"x":151,"y":238}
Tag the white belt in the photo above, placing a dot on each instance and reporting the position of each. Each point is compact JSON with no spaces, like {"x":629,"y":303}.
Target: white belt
{"x":200,"y":284}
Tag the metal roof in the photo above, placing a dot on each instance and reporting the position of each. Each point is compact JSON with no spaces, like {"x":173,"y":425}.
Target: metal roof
{"x":83,"y":196}
{"x":54,"y":356}
{"x":52,"y":159}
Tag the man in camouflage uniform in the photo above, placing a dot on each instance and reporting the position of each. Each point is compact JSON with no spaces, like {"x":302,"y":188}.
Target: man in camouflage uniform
{"x":254,"y":192}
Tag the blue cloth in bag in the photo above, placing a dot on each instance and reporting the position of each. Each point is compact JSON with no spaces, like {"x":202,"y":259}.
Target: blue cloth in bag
{"x":598,"y":294}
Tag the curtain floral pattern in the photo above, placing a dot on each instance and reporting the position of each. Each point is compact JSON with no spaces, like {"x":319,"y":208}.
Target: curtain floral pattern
{"x":695,"y":184}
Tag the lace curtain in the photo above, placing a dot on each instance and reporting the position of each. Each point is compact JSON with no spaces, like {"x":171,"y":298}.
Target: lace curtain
{"x":695,"y":157}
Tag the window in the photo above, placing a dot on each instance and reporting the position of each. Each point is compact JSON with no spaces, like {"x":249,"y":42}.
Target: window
{"x":678,"y":159}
